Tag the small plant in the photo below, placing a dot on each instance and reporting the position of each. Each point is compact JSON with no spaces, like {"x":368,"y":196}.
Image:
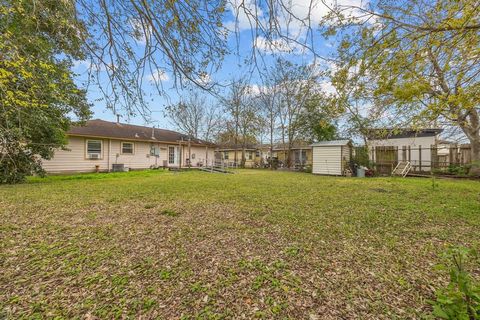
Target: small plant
{"x":165,"y":274}
{"x":461,"y":298}
{"x":434,"y":183}
{"x":169,"y":213}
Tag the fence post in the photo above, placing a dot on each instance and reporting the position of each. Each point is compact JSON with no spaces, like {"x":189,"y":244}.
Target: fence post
{"x":433,"y":157}
{"x":410,"y":157}
{"x":420,"y":158}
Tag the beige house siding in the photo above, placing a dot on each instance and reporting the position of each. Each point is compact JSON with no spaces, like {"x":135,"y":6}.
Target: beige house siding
{"x":249,"y":163}
{"x":75,"y":159}
{"x":198,"y":155}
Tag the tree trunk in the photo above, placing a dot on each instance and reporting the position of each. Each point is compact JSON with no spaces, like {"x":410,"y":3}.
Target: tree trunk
{"x":243,"y":156}
{"x":471,"y":129}
{"x":271,"y":147}
{"x":475,"y":148}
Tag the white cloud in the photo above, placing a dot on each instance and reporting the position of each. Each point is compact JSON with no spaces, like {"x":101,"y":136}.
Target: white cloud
{"x":244,"y":12}
{"x":204,"y":79}
{"x":141,"y":31}
{"x":278,"y":46}
{"x":327,"y":87}
{"x":158,"y":75}
{"x":293,"y":16}
{"x":255,"y":89}
{"x":81,"y":64}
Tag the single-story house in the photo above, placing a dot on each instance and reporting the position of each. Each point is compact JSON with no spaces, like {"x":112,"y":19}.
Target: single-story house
{"x":99,"y":145}
{"x":300,"y":154}
{"x":389,"y":146}
{"x":229,"y":155}
{"x":331,"y":157}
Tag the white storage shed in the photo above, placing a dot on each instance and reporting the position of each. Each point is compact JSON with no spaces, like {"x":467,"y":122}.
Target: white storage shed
{"x":331,"y":157}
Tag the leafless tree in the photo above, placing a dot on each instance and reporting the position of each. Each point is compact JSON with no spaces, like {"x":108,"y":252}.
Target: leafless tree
{"x":235,"y":103}
{"x":129,"y":43}
{"x":296,"y":84}
{"x":194,"y":116}
{"x":268,"y":100}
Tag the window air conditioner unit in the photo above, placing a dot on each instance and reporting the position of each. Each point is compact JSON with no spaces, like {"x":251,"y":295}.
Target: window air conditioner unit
{"x":93,"y":156}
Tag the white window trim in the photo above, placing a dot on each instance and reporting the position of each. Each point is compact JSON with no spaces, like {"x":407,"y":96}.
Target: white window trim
{"x":133,"y":148}
{"x":175,"y":155}
{"x":86,"y":148}
{"x":154,"y":147}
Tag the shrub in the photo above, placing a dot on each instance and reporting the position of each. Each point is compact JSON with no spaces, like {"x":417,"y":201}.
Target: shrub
{"x":16,"y":160}
{"x":457,"y":169}
{"x":308,"y":168}
{"x":460,"y":299}
{"x":361,"y":157}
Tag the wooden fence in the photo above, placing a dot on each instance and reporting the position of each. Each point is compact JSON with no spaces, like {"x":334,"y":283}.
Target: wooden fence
{"x":422,"y":159}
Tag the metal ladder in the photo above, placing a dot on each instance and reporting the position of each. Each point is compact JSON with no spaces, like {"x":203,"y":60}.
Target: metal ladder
{"x":402,"y":169}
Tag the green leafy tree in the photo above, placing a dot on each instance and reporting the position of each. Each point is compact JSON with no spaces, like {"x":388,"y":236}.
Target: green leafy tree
{"x":38,"y":95}
{"x":297,"y":86}
{"x":416,"y":62}
{"x":315,"y":121}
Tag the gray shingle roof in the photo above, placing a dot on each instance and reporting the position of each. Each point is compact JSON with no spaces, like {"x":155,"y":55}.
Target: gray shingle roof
{"x":114,"y":130}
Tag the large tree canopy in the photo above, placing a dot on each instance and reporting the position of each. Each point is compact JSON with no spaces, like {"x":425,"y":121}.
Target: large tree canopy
{"x":416,"y":62}
{"x":37,"y":91}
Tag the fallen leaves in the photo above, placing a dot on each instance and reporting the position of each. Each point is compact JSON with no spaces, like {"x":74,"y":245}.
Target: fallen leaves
{"x":191,"y":245}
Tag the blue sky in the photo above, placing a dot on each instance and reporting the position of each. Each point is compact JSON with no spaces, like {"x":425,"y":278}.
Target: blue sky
{"x":233,"y":65}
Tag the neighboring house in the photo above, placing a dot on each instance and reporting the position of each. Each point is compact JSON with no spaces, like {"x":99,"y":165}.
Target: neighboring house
{"x":389,"y":146}
{"x":227,"y":155}
{"x":331,"y":157}
{"x":300,"y":153}
{"x":99,"y":145}
{"x":255,"y":155}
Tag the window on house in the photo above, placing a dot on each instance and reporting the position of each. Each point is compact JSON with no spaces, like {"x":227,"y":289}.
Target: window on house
{"x":154,"y":150}
{"x":257,"y":153}
{"x":127,"y":147}
{"x":304,"y":155}
{"x":94,"y":147}
{"x":249,"y":155}
{"x":225,"y":155}
{"x":193,"y":156}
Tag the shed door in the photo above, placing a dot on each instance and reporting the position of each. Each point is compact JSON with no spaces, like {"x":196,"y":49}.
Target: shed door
{"x":327,"y":160}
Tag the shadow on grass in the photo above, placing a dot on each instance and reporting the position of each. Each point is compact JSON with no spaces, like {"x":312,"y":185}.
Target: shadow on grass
{"x":95,"y":176}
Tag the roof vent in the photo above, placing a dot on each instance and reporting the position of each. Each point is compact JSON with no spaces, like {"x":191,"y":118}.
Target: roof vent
{"x":153,"y":132}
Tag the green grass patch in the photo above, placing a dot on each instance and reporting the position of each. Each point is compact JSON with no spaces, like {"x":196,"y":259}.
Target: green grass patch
{"x":255,"y":244}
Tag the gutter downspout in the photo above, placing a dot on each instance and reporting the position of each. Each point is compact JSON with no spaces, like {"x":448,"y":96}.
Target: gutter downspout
{"x":109,"y":150}
{"x":189,"y":152}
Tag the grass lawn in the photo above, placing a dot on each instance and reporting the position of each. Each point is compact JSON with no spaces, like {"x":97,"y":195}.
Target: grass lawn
{"x":260,"y":244}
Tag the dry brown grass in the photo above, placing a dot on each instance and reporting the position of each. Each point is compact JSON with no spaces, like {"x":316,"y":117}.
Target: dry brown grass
{"x":254,"y":244}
